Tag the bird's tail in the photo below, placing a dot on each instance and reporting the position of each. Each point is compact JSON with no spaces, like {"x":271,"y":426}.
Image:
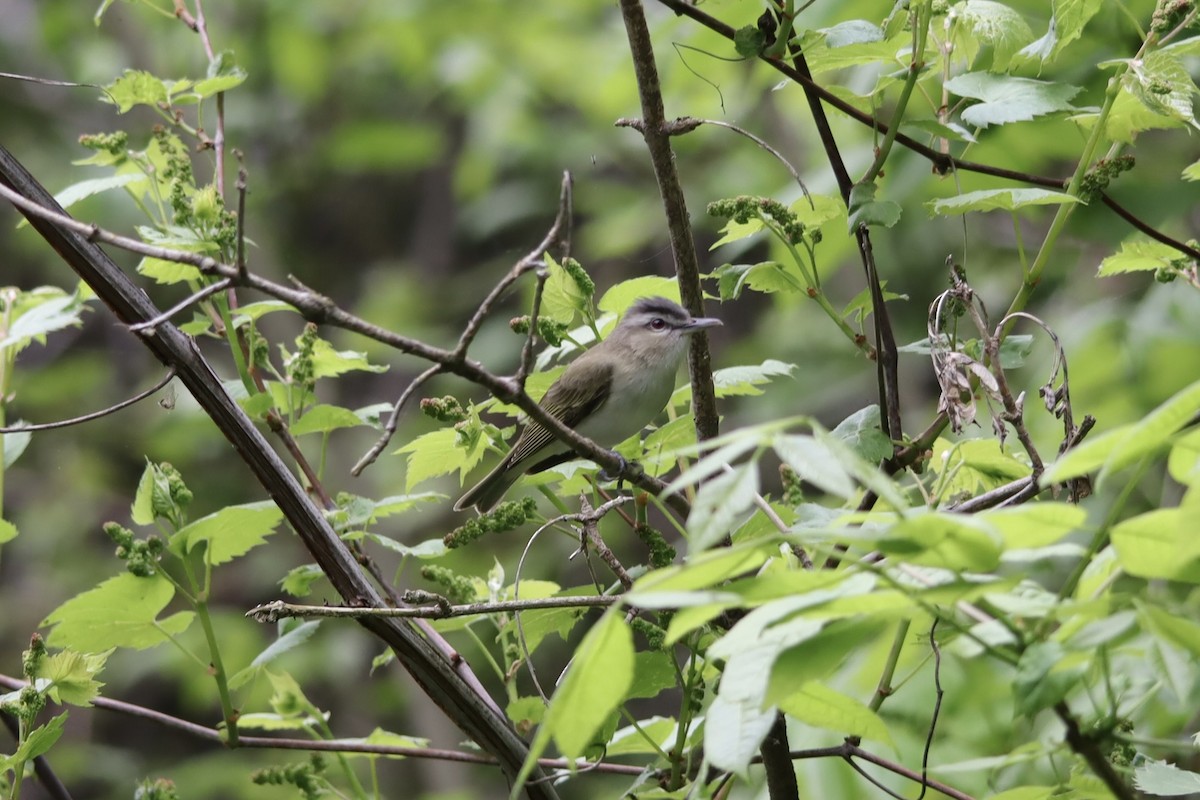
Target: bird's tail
{"x":489,"y":491}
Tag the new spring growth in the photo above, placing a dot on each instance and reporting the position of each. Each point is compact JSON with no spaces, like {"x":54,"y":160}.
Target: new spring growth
{"x":140,"y":555}
{"x":1101,"y":174}
{"x":552,"y":331}
{"x":457,"y":588}
{"x":300,"y":369}
{"x":443,"y":409}
{"x":661,"y":553}
{"x":112,"y":143}
{"x":1169,"y":14}
{"x":506,"y":517}
{"x":744,"y":208}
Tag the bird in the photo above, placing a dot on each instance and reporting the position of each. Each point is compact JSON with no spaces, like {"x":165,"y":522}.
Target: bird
{"x":607,"y":394}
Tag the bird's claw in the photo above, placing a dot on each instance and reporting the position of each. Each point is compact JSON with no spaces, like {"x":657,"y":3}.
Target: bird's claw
{"x":627,"y":469}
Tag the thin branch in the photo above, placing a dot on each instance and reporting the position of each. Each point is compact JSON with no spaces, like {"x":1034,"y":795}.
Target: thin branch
{"x":319,"y":309}
{"x":657,"y":135}
{"x":591,"y":536}
{"x":1089,"y":749}
{"x":277,"y":609}
{"x":937,"y":707}
{"x":559,"y":233}
{"x":527,"y":350}
{"x":847,"y":751}
{"x":393,"y":422}
{"x":328,"y":745}
{"x":208,"y":291}
{"x":433,"y":671}
{"x":942,"y":162}
{"x":777,"y":762}
{"x":45,"y":426}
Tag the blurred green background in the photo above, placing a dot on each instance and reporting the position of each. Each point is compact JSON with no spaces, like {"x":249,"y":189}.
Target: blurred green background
{"x":401,"y":156}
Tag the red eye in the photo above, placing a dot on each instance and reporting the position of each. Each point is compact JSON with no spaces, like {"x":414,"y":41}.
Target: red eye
{"x":657,"y":324}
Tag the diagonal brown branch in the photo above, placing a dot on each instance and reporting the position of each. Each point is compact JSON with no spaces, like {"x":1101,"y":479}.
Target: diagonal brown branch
{"x":435,"y":675}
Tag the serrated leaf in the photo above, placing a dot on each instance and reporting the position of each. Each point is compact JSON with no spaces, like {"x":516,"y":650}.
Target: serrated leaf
{"x":1159,"y":544}
{"x":817,"y":705}
{"x":852,"y":31}
{"x":595,"y":684}
{"x":733,"y":731}
{"x":120,"y":612}
{"x":231,"y":532}
{"x":621,"y":296}
{"x":93,"y":186}
{"x":562,"y":297}
{"x":167,"y":272}
{"x":1165,"y":780}
{"x":736,"y":231}
{"x":997,"y":199}
{"x":134,"y":88}
{"x":996,"y":25}
{"x":719,"y":503}
{"x":324,"y":418}
{"x":866,"y":210}
{"x":41,"y":739}
{"x":1139,"y":256}
{"x":72,"y":675}
{"x":863,"y":433}
{"x":1066,"y":25}
{"x":1008,"y":99}
{"x":653,"y":673}
{"x":299,"y":580}
{"x":813,"y":462}
{"x":738,"y":381}
{"x":438,"y":453}
{"x":329,"y":363}
{"x":766,"y":277}
{"x":41,"y":317}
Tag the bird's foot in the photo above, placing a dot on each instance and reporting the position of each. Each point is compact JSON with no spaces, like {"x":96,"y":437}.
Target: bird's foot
{"x":628,"y":469}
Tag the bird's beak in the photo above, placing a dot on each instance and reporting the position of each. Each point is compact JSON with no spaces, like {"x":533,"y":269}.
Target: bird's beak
{"x":700,"y":323}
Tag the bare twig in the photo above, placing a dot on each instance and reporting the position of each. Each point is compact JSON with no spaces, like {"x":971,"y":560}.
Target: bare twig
{"x":45,"y":426}
{"x":527,"y":349}
{"x":389,"y":430}
{"x":848,"y":751}
{"x":436,"y":675}
{"x":326,"y":745}
{"x":937,"y":707}
{"x":1089,"y":749}
{"x":276,"y":610}
{"x":208,"y":291}
{"x":765,"y":146}
{"x":591,"y":536}
{"x":320,"y":309}
{"x":657,"y":135}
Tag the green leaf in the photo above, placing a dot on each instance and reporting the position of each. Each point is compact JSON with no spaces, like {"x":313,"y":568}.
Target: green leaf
{"x":862,"y":432}
{"x":996,"y":25}
{"x":142,"y":509}
{"x":1139,"y":256}
{"x":718,"y":505}
{"x":324,"y":418}
{"x":738,"y":381}
{"x":621,"y":296}
{"x":120,"y":612}
{"x":817,"y":705}
{"x":298,"y":635}
{"x":1034,"y":524}
{"x":299,"y":580}
{"x":438,"y":453}
{"x":329,"y":363}
{"x":1007,"y":99}
{"x":562,"y":297}
{"x":1044,"y":676}
{"x":40,"y":314}
{"x":766,"y":277}
{"x":84,"y":189}
{"x":814,"y":463}
{"x":943,"y":130}
{"x":135,"y":88}
{"x":1183,"y":463}
{"x":733,"y":731}
{"x":13,"y":445}
{"x":653,"y":673}
{"x":1159,"y":544}
{"x":866,"y":210}
{"x":1177,"y":630}
{"x":167,"y":272}
{"x":595,"y":684}
{"x":852,"y":31}
{"x":231,"y":532}
{"x":41,"y":739}
{"x":1126,"y":444}
{"x":399,"y":503}
{"x":1070,"y":16}
{"x":705,"y":569}
{"x":72,"y":676}
{"x":997,"y":199}
{"x":861,"y":304}
{"x":736,"y":231}
{"x":8,"y":531}
{"x":949,"y":541}
{"x":223,"y":74}
{"x":1165,"y":780}
{"x":1192,"y":171}
{"x":824,"y":55}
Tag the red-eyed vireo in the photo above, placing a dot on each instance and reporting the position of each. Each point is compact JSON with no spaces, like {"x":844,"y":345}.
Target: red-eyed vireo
{"x":608,"y":394}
